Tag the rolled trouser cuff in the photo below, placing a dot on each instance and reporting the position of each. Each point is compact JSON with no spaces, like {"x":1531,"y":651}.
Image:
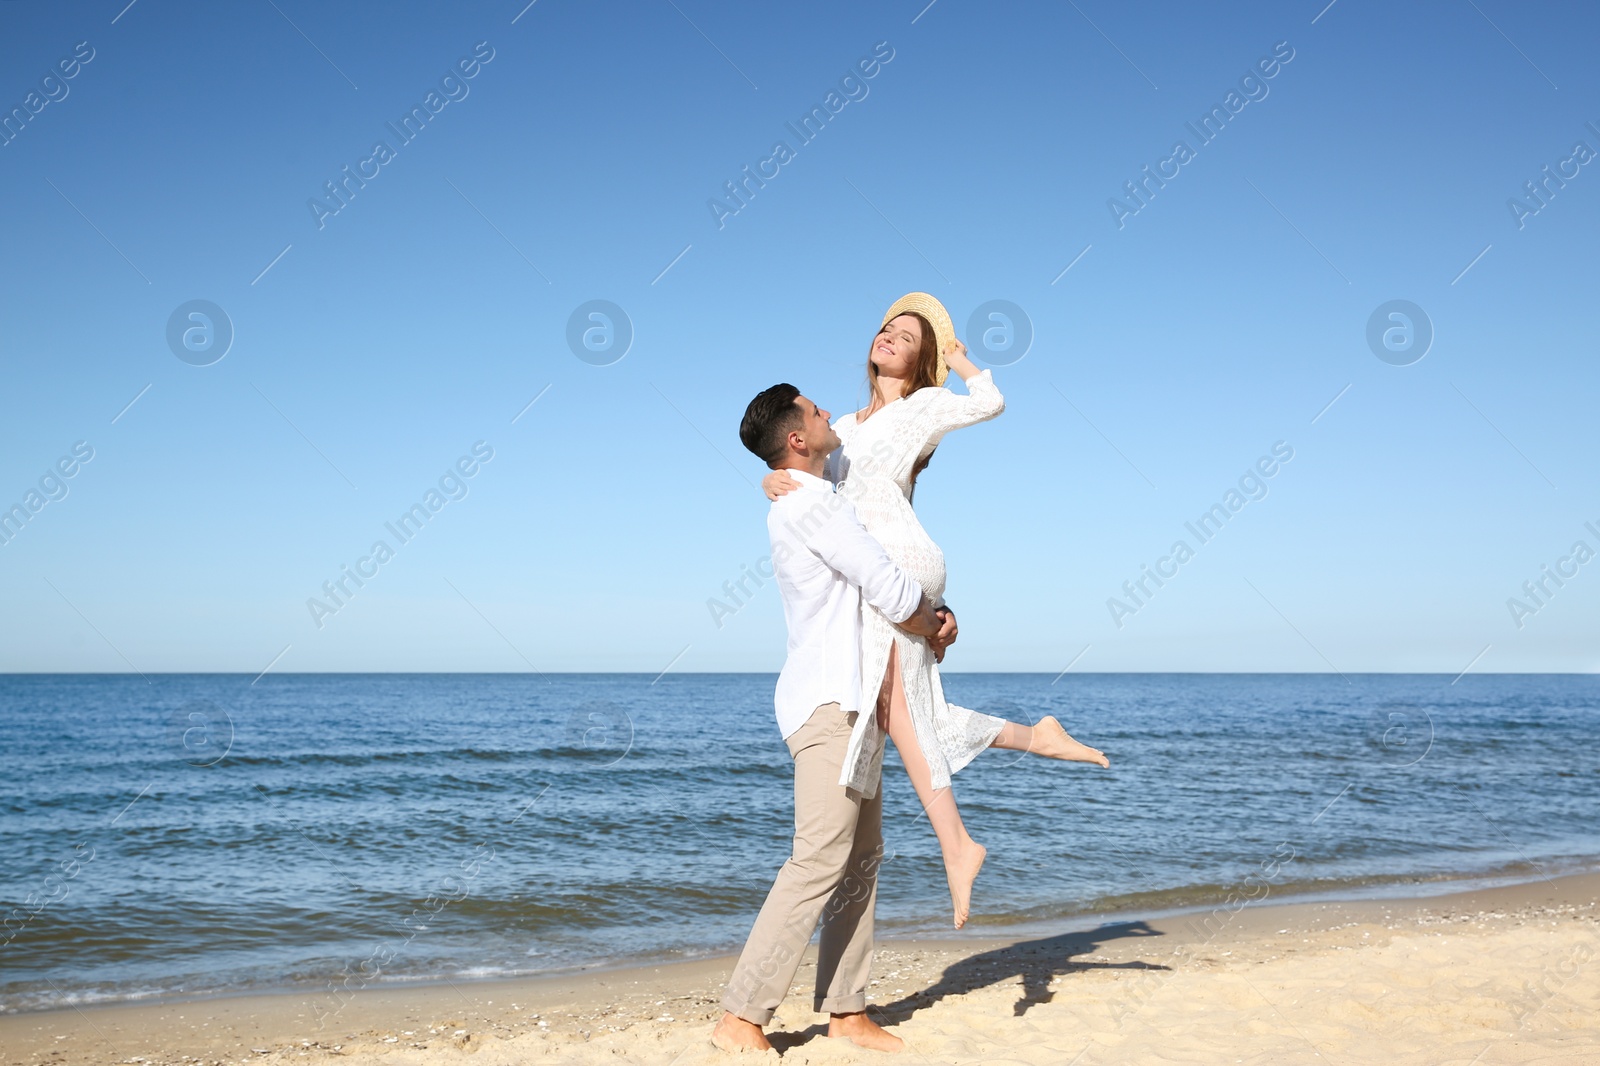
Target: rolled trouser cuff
{"x":854,"y":1003}
{"x":753,"y":1015}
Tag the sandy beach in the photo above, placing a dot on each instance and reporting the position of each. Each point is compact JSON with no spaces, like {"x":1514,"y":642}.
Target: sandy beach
{"x":1497,"y":975}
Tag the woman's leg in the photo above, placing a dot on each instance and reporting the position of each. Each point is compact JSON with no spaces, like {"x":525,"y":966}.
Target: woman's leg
{"x":963,"y":856}
{"x":1047,"y":739}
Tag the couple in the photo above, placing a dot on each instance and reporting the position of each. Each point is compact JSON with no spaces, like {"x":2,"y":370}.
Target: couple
{"x":862,"y":587}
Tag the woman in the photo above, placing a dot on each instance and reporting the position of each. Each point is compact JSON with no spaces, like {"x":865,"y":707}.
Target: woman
{"x":884,"y":446}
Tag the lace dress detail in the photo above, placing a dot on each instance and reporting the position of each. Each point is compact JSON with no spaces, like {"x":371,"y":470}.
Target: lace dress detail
{"x":873,"y":468}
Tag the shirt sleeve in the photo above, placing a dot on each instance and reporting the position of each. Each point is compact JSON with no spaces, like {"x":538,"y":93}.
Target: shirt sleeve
{"x":845,"y":545}
{"x":942,"y":410}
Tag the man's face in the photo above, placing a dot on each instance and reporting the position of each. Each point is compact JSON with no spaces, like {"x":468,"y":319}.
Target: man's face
{"x":819,"y":436}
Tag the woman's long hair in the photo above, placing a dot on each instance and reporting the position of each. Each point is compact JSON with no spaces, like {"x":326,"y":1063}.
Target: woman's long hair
{"x":923,"y":374}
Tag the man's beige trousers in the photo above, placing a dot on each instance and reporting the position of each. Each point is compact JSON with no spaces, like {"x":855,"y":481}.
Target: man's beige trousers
{"x":832,"y":873}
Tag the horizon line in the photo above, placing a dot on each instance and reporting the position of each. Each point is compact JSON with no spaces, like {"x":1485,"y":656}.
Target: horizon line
{"x":774,"y":673}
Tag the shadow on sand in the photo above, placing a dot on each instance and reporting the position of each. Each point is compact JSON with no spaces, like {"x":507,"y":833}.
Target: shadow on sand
{"x":1037,"y":962}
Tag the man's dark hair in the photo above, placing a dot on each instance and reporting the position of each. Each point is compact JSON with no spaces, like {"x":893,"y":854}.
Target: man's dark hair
{"x":768,"y":421}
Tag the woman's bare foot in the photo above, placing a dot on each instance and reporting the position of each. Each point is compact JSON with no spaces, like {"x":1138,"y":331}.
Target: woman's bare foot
{"x":961,"y":872}
{"x":863,"y":1032}
{"x":733,"y":1033}
{"x":1052,"y":741}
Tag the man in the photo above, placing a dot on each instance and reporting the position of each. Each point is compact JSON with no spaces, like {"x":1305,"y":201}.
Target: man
{"x":825,"y":563}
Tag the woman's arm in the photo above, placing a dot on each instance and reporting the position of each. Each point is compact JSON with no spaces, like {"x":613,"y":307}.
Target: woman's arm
{"x":778,"y":483}
{"x":833,"y":466}
{"x":958,"y":361}
{"x":942,"y":410}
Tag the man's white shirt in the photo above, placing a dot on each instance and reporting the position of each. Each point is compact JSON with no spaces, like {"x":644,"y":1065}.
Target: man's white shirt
{"x":826,"y":562}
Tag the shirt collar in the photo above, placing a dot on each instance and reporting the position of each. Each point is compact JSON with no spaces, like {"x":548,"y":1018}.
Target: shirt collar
{"x":805,"y":477}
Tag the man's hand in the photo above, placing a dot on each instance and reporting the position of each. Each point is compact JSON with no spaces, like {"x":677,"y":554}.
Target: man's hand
{"x":923,"y":622}
{"x":946,"y":635}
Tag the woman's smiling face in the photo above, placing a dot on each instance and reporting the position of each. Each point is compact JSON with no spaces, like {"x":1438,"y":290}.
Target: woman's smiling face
{"x":895,"y":349}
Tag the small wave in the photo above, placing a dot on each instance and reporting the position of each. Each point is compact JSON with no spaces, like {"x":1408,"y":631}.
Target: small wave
{"x":1199,"y":896}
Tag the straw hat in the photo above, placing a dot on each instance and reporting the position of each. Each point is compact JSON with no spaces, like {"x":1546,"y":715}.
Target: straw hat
{"x":932,"y":310}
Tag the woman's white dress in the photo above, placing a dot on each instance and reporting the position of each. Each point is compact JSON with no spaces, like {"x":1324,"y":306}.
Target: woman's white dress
{"x":873,"y":469}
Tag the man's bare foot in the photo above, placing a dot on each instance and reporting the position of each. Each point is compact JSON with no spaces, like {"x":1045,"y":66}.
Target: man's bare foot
{"x":1052,"y":741}
{"x":961,"y":872}
{"x":733,"y":1033}
{"x":863,"y":1031}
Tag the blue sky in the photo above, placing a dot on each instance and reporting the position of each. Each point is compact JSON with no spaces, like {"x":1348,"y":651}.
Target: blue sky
{"x":374,"y":346}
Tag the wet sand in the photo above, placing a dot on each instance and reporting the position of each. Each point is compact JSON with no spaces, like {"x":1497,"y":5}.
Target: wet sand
{"x":1498,"y":975}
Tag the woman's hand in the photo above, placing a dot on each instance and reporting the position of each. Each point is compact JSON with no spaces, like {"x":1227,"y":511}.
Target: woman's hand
{"x":778,"y":483}
{"x":964,"y":368}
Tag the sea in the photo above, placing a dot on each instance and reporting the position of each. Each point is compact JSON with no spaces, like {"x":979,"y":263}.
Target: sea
{"x":209,"y":834}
